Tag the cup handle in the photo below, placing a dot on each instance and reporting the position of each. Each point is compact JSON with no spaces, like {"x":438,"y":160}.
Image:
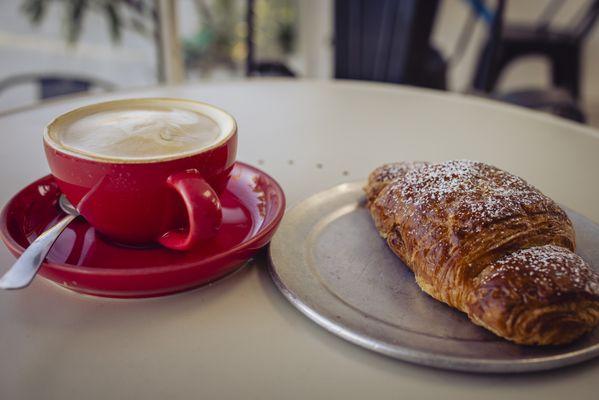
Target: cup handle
{"x":203,"y":207}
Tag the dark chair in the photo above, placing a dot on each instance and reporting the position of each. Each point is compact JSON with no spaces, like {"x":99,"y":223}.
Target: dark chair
{"x":53,"y":85}
{"x":388,"y":41}
{"x":562,"y":48}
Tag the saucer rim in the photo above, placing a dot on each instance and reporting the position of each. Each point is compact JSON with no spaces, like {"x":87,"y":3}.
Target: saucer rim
{"x":264,"y":230}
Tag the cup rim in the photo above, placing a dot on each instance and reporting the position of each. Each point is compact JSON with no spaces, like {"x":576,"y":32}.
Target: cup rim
{"x":223,"y":119}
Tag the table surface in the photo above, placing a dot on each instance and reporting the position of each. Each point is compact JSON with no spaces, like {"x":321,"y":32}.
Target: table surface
{"x":239,"y":338}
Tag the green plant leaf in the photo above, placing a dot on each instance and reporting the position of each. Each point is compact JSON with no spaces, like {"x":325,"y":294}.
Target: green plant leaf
{"x":114,"y":21}
{"x":74,"y":21}
{"x":34,"y":10}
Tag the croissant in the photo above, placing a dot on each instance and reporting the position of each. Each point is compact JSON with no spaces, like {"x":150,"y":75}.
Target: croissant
{"x":489,"y":244}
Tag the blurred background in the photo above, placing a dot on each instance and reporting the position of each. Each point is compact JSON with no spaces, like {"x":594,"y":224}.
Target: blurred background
{"x":541,"y":54}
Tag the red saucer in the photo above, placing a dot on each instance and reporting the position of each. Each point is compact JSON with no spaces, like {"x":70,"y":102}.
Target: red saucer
{"x":82,"y":260}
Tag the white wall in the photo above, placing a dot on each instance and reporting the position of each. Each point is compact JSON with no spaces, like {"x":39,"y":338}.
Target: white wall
{"x":314,"y":58}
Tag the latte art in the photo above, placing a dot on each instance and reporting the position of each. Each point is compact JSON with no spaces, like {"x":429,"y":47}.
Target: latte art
{"x":140,"y":132}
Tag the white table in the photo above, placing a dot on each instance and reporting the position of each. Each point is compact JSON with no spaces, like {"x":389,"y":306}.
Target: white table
{"x":239,"y":338}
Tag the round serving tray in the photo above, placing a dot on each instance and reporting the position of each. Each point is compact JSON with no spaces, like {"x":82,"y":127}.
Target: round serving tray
{"x":329,"y":261}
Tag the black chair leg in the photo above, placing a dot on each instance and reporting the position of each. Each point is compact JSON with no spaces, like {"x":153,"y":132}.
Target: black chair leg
{"x":565,"y":71}
{"x":487,"y":76}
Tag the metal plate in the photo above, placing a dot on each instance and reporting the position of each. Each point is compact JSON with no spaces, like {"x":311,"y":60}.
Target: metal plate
{"x":329,"y":261}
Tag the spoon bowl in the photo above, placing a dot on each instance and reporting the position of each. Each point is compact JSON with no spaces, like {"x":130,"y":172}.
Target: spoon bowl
{"x":67,"y":206}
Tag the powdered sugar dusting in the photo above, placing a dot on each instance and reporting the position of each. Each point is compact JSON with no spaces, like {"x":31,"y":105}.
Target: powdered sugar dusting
{"x":474,"y":192}
{"x":392,"y":171}
{"x":549,"y":267}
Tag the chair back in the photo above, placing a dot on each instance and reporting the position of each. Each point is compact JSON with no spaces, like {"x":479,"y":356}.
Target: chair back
{"x":387,"y":41}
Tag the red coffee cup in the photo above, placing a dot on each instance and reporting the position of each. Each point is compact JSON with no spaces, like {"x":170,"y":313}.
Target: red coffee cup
{"x":171,"y":200}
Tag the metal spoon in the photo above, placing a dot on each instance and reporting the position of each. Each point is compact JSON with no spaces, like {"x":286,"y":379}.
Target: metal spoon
{"x":24,"y":270}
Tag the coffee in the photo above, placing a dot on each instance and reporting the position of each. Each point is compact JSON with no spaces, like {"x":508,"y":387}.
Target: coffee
{"x":139,"y":131}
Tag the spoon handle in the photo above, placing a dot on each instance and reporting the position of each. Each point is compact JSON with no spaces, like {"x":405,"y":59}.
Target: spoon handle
{"x":23,"y":271}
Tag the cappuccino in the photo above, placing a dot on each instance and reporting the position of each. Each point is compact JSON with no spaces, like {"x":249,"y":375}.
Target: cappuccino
{"x":138,"y":130}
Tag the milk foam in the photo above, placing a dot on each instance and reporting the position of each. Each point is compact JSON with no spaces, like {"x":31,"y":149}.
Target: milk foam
{"x":140,"y":132}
